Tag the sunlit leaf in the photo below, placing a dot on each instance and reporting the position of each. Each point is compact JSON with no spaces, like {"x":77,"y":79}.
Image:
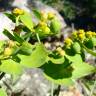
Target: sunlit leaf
{"x":26,"y":19}
{"x":36,"y":59}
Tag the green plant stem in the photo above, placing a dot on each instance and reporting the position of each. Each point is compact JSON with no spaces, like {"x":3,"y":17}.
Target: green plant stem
{"x":37,"y":35}
{"x":91,"y":93}
{"x":17,"y":20}
{"x":52,"y":88}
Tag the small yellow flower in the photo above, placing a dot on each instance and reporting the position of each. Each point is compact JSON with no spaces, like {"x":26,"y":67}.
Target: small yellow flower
{"x":18,"y":11}
{"x":60,"y":51}
{"x":68,"y":42}
{"x":51,"y":15}
{"x":89,"y":34}
{"x":7,"y":51}
{"x":81,"y":31}
{"x":81,"y":34}
{"x":44,"y":16}
{"x":47,"y":30}
{"x":11,"y":43}
{"x":42,"y":23}
{"x":74,"y":34}
{"x":93,"y":33}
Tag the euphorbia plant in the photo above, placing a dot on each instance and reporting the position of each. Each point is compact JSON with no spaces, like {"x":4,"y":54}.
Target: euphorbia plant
{"x":62,"y":65}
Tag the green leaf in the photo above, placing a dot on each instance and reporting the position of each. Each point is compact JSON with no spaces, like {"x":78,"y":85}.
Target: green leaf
{"x":8,"y":34}
{"x":58,"y":73}
{"x":37,"y":14}
{"x":26,"y":48}
{"x":57,"y":60}
{"x":3,"y":92}
{"x":36,"y":59}
{"x":10,"y":16}
{"x":89,"y":50}
{"x":18,"y":38}
{"x":1,"y":45}
{"x":76,"y":58}
{"x":26,"y":19}
{"x":10,"y":66}
{"x":88,"y":43}
{"x":94,"y":41}
{"x":81,"y":70}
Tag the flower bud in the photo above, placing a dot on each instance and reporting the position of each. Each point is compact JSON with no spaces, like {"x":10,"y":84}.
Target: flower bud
{"x":55,"y":26}
{"x":46,"y":30}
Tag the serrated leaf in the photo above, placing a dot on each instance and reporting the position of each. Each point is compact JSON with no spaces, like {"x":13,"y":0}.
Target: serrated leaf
{"x":36,"y":59}
{"x":27,"y":20}
{"x":10,"y":66}
{"x":81,"y":70}
{"x":3,"y":92}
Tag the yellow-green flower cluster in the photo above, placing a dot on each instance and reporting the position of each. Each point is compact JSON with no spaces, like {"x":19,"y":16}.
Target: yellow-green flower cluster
{"x":43,"y":27}
{"x":47,"y":16}
{"x":90,"y":34}
{"x":68,"y":42}
{"x":18,"y":11}
{"x":9,"y":49}
{"x":81,"y":34}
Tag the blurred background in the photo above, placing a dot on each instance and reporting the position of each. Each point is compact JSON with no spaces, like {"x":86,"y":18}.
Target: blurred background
{"x":80,"y":12}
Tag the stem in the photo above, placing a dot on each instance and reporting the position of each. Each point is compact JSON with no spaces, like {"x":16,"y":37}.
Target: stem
{"x":52,"y":88}
{"x":37,"y":35}
{"x":17,"y":21}
{"x":91,"y":93}
{"x":2,"y":75}
{"x":57,"y":91}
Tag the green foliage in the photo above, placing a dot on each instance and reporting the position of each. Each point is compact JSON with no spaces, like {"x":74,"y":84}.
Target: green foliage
{"x":62,"y":66}
{"x":27,"y":20}
{"x":36,"y":59}
{"x":3,"y":92}
{"x":11,"y":67}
